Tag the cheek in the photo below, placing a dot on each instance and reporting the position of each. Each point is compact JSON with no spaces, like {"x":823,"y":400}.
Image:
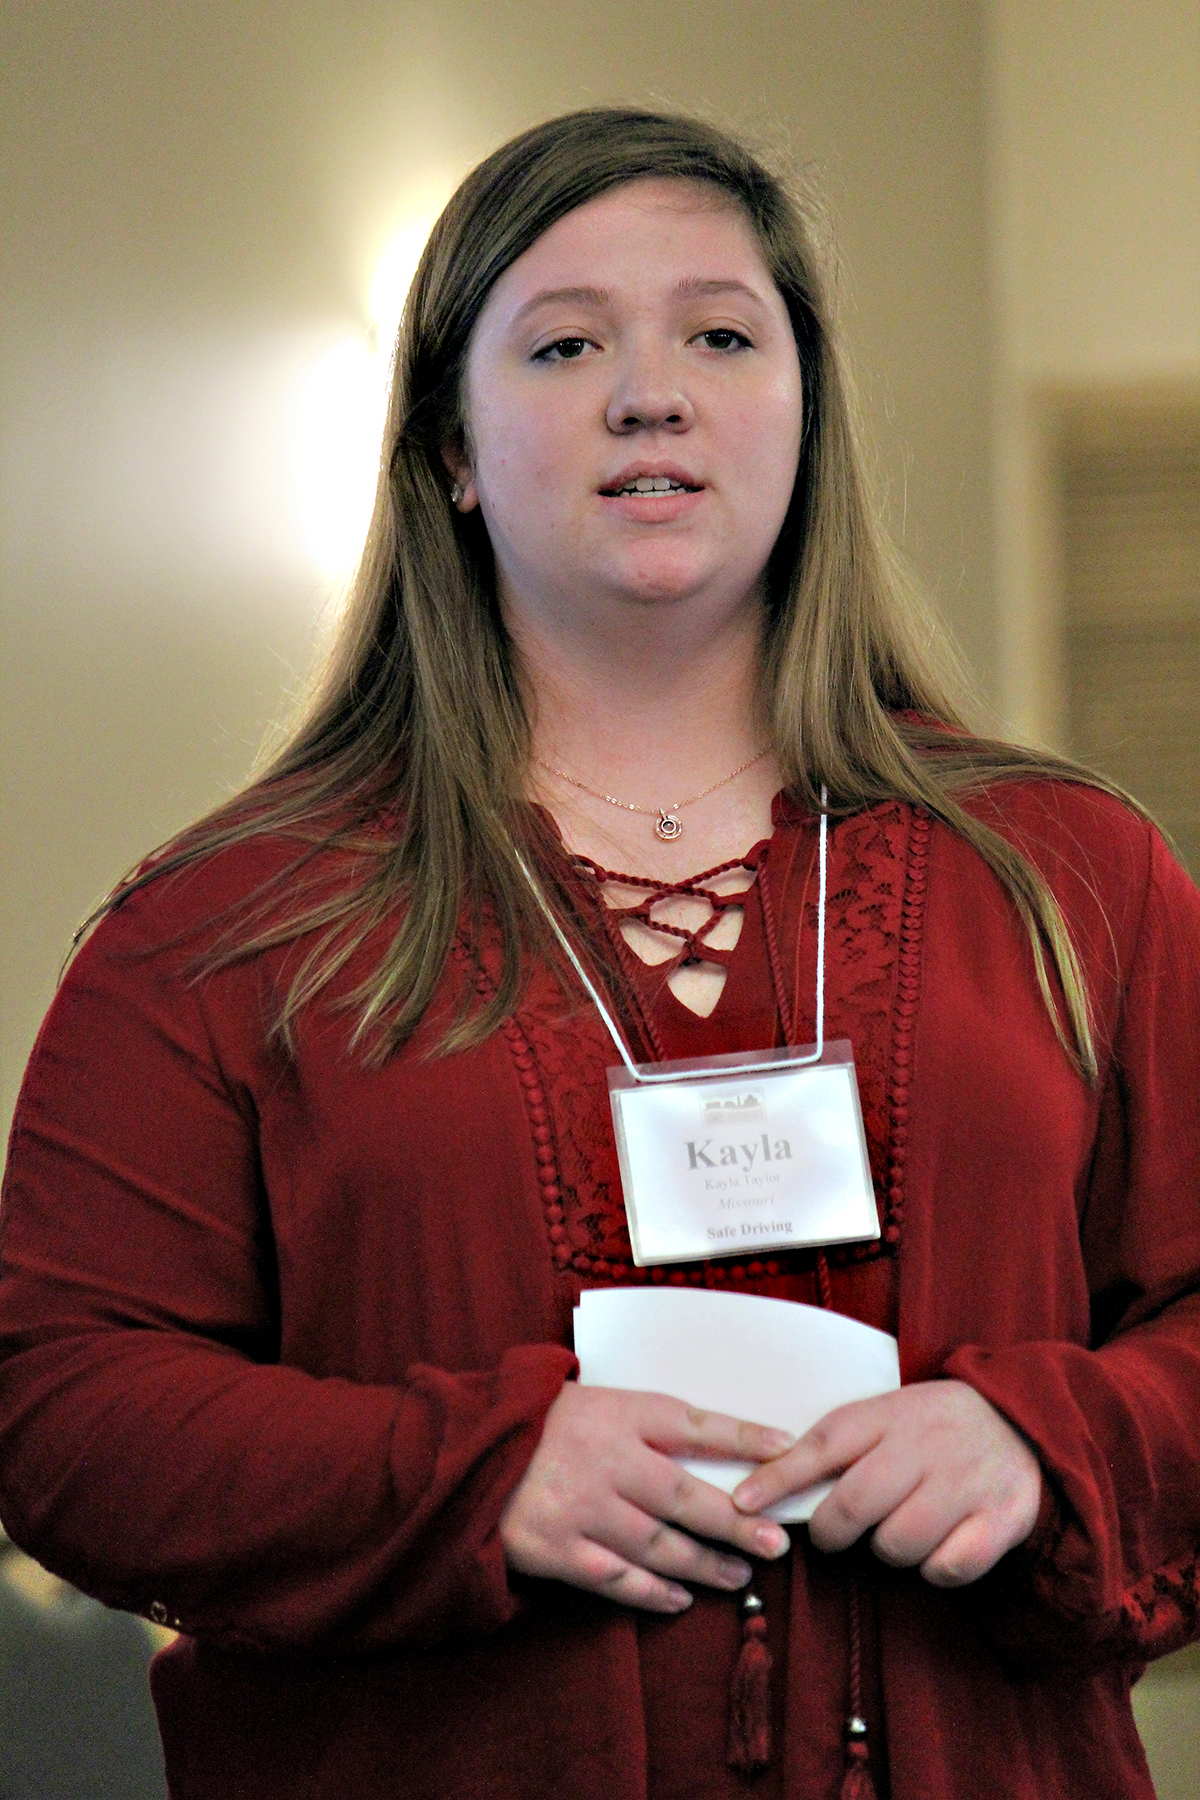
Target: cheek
{"x":522,"y":456}
{"x":523,"y":466}
{"x":772,"y":433}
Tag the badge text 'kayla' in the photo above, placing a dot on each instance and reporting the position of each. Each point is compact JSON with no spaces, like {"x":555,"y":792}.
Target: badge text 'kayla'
{"x":736,"y":1156}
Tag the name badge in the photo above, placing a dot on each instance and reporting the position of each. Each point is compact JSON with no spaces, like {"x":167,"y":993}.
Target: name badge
{"x":741,"y":1155}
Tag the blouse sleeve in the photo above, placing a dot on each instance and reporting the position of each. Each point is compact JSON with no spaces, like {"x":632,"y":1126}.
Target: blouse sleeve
{"x":153,"y":1449}
{"x":1111,"y":1572}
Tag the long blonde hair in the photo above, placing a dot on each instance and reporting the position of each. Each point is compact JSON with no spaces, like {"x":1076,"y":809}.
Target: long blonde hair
{"x":417,"y":715}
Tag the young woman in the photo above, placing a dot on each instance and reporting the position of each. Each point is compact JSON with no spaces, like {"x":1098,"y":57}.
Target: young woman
{"x":315,"y":1156}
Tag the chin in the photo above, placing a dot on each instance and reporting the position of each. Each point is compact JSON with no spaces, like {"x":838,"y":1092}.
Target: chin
{"x":661,"y":582}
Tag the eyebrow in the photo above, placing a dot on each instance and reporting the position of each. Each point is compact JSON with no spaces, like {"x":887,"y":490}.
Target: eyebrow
{"x":692,"y":286}
{"x":581,"y":296}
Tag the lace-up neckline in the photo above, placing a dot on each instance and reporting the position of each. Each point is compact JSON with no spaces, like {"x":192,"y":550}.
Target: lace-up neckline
{"x":687,"y":930}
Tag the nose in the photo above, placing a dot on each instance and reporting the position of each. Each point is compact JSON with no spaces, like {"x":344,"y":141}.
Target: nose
{"x":648,"y":396}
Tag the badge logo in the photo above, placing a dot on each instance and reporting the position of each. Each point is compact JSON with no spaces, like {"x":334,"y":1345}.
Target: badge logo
{"x":733,"y":1107}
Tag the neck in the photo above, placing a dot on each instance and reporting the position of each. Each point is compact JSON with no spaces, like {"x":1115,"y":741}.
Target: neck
{"x":649,"y":708}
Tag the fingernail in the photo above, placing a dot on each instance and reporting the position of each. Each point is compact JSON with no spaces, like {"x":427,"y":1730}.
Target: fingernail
{"x":778,"y":1441}
{"x":746,"y":1497}
{"x":679,"y":1598}
{"x":772,"y":1540}
{"x":735,"y":1574}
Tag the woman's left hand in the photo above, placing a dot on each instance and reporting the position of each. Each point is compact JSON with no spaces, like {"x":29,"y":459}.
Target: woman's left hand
{"x":941,"y":1476}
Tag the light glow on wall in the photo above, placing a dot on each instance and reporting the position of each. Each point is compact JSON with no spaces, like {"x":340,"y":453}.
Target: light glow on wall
{"x":338,"y":426}
{"x":342,"y":401}
{"x":394,"y":276}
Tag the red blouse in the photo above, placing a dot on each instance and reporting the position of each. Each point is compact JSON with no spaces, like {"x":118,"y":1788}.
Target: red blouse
{"x":279,"y":1334}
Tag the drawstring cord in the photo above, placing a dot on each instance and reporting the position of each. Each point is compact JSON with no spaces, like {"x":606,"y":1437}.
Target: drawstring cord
{"x":750,"y":1683}
{"x":857,"y":1783}
{"x":782,"y":998}
{"x":749,"y":1699}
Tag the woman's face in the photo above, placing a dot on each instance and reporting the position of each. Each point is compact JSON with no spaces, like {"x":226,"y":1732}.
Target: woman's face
{"x":633,"y":408}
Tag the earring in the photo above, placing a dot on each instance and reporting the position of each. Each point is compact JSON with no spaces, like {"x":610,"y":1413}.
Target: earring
{"x":456,"y":494}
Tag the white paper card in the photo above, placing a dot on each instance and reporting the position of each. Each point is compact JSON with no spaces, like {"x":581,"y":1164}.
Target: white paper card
{"x":741,"y":1166}
{"x":775,"y":1362}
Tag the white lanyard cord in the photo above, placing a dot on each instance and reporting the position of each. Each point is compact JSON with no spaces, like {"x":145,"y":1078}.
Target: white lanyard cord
{"x":645,"y":1077}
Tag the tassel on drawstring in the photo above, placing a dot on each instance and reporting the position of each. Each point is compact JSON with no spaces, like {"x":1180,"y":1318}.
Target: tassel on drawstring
{"x":856,"y":1782}
{"x":750,"y":1692}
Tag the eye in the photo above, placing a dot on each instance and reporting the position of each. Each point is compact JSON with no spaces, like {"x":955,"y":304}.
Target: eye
{"x":567,"y":349}
{"x":723,"y":337}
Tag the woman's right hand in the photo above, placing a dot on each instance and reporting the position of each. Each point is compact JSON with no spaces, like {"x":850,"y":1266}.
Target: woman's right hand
{"x":603,"y":1506}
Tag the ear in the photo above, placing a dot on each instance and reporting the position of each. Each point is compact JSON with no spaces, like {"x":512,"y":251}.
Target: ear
{"x":458,"y":467}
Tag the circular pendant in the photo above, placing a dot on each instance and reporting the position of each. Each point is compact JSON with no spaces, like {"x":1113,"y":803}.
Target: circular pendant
{"x":668,"y":827}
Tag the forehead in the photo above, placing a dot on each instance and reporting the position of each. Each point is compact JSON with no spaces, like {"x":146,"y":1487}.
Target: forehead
{"x":634,"y":233}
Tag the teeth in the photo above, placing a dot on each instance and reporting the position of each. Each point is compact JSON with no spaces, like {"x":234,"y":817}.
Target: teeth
{"x":653,"y":484}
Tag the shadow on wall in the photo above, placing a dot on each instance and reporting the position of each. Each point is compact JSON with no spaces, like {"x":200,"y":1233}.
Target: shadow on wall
{"x":1166,"y":1705}
{"x":75,"y":1715}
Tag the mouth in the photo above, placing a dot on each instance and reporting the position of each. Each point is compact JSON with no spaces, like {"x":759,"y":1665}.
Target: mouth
{"x":652,"y":483}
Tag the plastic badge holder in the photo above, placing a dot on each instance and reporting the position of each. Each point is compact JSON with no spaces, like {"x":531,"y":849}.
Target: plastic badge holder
{"x":772,"y":1157}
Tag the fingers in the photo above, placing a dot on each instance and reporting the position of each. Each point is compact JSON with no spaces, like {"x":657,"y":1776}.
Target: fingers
{"x":662,"y":1489}
{"x":643,"y":1539}
{"x":978,"y":1541}
{"x":940,"y":1478}
{"x":966,"y":1553}
{"x":874,"y":1489}
{"x":681,"y":1430}
{"x":604,"y":1505}
{"x":602,"y":1571}
{"x":626,"y":1552}
{"x":829,"y":1448}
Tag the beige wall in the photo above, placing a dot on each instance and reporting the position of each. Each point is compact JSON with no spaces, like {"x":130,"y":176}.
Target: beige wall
{"x":1094,"y":178}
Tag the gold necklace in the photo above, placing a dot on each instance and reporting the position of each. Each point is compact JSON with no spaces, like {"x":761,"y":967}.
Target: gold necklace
{"x":667,"y":825}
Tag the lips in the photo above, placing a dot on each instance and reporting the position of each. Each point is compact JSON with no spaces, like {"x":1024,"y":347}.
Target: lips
{"x":646,"y":480}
